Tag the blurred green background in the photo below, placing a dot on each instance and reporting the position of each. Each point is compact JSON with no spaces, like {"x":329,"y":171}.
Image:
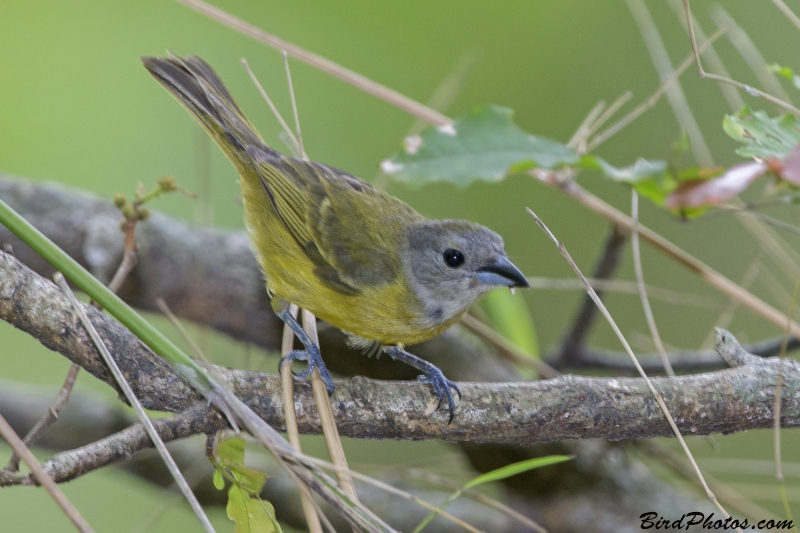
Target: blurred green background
{"x":77,"y":107}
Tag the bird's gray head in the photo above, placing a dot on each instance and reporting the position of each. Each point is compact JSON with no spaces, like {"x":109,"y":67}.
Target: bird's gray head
{"x":450,"y":263}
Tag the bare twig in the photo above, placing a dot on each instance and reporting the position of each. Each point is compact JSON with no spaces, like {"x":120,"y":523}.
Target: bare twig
{"x":627,"y":347}
{"x":710,"y":275}
{"x":788,"y":12}
{"x":450,"y":87}
{"x":752,"y":91}
{"x":575,"y":336}
{"x":583,"y":130}
{"x":744,"y":505}
{"x":731,"y":94}
{"x":675,"y":95}
{"x":667,"y":82}
{"x":637,"y":263}
{"x":43,"y":478}
{"x":602,"y":119}
{"x":508,"y":349}
{"x":625,"y":287}
{"x":326,"y":418}
{"x":287,"y":386}
{"x":480,"y":497}
{"x":750,"y":53}
{"x":778,"y":397}
{"x":297,"y":146}
{"x":298,"y":131}
{"x":325,"y":65}
{"x":49,"y":418}
{"x":137,"y":406}
{"x":393,"y":490}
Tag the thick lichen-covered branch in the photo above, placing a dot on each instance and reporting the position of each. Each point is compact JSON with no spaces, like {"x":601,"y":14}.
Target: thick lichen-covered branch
{"x":569,"y":407}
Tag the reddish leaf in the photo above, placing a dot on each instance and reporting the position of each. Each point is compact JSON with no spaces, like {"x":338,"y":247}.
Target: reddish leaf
{"x":790,"y":170}
{"x":697,"y":193}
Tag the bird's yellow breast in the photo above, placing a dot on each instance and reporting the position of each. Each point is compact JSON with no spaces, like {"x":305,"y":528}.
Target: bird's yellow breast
{"x":388,"y":313}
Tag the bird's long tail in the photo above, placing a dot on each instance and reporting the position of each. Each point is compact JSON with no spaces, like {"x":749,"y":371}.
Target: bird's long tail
{"x":199,"y":89}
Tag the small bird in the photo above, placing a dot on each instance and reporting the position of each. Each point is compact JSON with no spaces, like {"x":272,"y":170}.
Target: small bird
{"x":355,"y":256}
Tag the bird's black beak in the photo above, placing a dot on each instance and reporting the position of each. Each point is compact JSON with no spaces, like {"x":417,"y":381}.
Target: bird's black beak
{"x":502,"y":272}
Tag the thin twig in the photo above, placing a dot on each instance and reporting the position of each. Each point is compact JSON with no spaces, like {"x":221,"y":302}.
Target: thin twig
{"x":625,"y":287}
{"x":750,"y":53}
{"x":615,"y":128}
{"x":478,"y":496}
{"x":433,"y":117}
{"x":583,"y":130}
{"x":576,"y":334}
{"x":602,"y":119}
{"x":326,"y":418}
{"x":327,"y":421}
{"x":275,"y":112}
{"x":287,"y":389}
{"x":637,"y":264}
{"x":675,"y":95}
{"x":325,"y":65}
{"x":787,"y":12}
{"x":710,"y":275}
{"x":780,"y":224}
{"x":752,"y":91}
{"x":7,"y":432}
{"x":731,"y":94}
{"x":777,"y":409}
{"x":729,"y":312}
{"x":742,"y":504}
{"x":446,"y":92}
{"x":137,"y":406}
{"x":507,"y":349}
{"x":627,"y":347}
{"x":49,"y":418}
{"x":393,"y":490}
{"x":298,"y":131}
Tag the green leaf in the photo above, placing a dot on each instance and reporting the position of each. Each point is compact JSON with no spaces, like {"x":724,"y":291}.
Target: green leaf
{"x":763,"y":137}
{"x":510,"y":316}
{"x":484,"y":145}
{"x":250,"y":513}
{"x":231,"y":451}
{"x":786,"y":72}
{"x":219,"y":479}
{"x":516,"y":468}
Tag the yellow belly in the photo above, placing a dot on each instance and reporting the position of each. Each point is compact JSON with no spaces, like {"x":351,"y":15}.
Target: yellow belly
{"x":389,"y":314}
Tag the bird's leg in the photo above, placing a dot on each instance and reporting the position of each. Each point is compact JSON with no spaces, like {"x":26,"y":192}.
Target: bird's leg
{"x":311,"y":354}
{"x":432,"y":374}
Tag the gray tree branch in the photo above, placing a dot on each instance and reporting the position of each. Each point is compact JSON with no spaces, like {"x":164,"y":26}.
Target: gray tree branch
{"x":210,"y":277}
{"x":568,"y":407}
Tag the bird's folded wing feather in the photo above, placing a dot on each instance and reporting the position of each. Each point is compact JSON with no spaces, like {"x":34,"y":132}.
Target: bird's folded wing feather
{"x":339,"y":221}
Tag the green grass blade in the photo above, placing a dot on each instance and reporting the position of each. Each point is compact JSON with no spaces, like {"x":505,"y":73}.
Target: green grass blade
{"x":112,"y":303}
{"x":516,"y":468}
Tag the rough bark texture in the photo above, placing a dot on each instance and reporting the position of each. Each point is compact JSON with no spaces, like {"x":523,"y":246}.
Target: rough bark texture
{"x":209,"y":277}
{"x":525,"y":413}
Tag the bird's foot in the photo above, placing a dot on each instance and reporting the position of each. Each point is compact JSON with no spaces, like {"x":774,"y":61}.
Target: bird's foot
{"x":314,"y":360}
{"x":441,"y":388}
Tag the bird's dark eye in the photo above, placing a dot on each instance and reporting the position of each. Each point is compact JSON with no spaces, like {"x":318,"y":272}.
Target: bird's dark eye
{"x":453,"y":258}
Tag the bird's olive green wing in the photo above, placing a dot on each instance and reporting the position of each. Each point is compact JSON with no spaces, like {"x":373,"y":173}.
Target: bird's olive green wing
{"x":347,"y":228}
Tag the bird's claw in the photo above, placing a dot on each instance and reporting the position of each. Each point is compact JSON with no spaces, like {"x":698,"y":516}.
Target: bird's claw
{"x":314,"y":360}
{"x":441,"y":388}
